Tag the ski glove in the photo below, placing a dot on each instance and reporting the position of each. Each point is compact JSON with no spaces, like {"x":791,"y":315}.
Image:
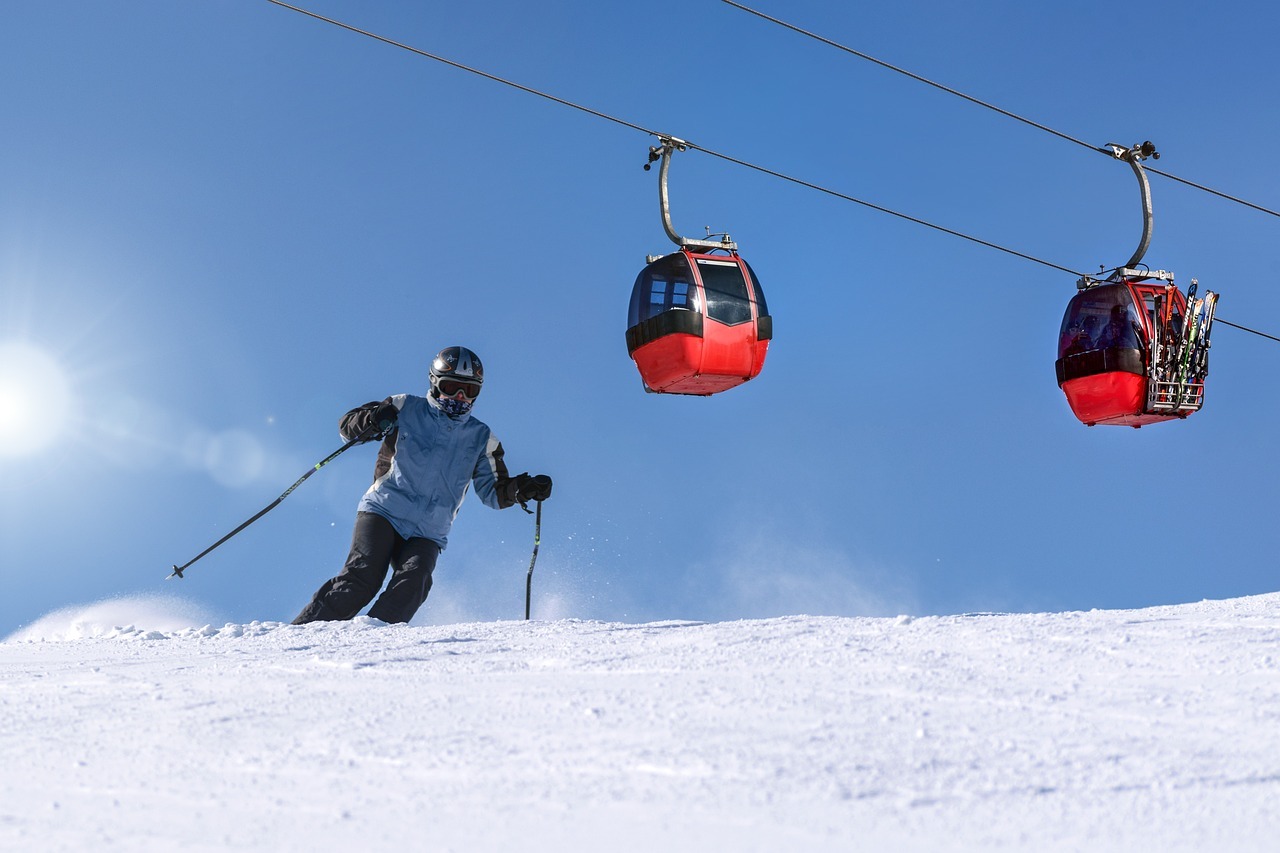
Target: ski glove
{"x":384,"y":417}
{"x":536,"y":488}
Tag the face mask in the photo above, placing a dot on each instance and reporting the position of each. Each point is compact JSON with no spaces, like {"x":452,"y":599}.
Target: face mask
{"x":454,"y":408}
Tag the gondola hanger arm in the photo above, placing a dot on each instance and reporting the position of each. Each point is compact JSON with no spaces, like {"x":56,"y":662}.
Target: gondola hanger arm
{"x":662,"y":151}
{"x":1134,"y":157}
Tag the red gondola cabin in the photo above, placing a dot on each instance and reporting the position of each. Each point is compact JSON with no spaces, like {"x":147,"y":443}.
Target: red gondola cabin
{"x":1133,"y":350}
{"x":1125,"y":358}
{"x":698,"y":323}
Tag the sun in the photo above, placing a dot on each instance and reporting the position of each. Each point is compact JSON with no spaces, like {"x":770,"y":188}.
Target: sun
{"x":35,"y":399}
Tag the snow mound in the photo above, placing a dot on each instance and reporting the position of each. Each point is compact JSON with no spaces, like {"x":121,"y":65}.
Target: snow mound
{"x":147,"y":617}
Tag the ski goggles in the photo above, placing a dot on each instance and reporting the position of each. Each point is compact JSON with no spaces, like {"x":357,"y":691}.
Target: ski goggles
{"x":451,"y":387}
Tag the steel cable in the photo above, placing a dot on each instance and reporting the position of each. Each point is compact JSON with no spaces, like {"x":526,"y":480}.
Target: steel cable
{"x":762,"y":169}
{"x":1038,"y":126}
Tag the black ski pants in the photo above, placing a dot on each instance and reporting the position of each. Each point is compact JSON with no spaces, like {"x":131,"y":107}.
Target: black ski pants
{"x":375,"y":546}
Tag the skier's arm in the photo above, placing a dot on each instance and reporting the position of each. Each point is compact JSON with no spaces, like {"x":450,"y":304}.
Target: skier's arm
{"x":361,"y":420}
{"x":492,"y":482}
{"x":497,"y":488}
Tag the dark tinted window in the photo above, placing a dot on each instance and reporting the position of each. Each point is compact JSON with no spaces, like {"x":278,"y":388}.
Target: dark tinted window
{"x":664,"y":285}
{"x":762,"y":308}
{"x":1100,"y":318}
{"x":728,"y":299}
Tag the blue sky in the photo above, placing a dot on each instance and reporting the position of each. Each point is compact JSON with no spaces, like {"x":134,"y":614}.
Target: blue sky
{"x":223,"y":224}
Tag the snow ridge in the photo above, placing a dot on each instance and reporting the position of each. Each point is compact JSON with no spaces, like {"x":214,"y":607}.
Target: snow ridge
{"x":1101,"y":730}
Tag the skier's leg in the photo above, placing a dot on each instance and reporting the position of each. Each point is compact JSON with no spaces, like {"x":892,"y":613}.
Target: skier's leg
{"x":342,"y":597}
{"x":411,"y":570}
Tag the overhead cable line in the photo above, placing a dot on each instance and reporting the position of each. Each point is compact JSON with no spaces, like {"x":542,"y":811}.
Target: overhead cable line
{"x":1246,"y":329}
{"x":877,"y":207}
{"x":495,"y":78}
{"x":598,"y":114}
{"x":633,"y":126}
{"x":982,"y":103}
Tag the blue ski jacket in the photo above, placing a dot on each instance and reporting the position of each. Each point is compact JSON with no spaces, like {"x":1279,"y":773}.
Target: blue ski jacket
{"x":427,"y":463}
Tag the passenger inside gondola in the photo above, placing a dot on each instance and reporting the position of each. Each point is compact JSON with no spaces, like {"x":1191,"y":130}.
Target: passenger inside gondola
{"x":1098,"y":319}
{"x":1120,"y":330}
{"x":1079,"y":335}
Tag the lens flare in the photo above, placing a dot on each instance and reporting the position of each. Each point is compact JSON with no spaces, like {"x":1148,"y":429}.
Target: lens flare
{"x":35,"y":399}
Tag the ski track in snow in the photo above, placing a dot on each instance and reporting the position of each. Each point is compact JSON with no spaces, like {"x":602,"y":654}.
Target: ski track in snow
{"x":1155,"y":729}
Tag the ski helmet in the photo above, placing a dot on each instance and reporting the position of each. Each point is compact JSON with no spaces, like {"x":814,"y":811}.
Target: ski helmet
{"x":456,"y":378}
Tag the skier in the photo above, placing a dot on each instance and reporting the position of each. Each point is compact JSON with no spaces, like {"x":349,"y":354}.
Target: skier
{"x":432,"y":451}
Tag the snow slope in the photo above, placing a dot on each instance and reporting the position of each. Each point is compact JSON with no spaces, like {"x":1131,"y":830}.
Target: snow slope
{"x":1153,"y":729}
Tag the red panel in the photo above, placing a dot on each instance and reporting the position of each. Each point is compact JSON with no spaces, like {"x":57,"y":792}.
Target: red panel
{"x":1116,"y":398}
{"x":728,"y":350}
{"x":686,"y":364}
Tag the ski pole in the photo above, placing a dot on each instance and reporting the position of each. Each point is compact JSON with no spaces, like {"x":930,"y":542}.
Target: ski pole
{"x":528,"y":580}
{"x":178,"y":570}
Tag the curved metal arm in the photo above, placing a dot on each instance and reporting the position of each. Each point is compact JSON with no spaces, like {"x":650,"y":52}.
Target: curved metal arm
{"x":667,"y":145}
{"x":1134,"y":157}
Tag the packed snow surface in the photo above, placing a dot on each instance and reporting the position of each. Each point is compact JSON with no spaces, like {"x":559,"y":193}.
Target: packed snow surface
{"x":1153,"y":729}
